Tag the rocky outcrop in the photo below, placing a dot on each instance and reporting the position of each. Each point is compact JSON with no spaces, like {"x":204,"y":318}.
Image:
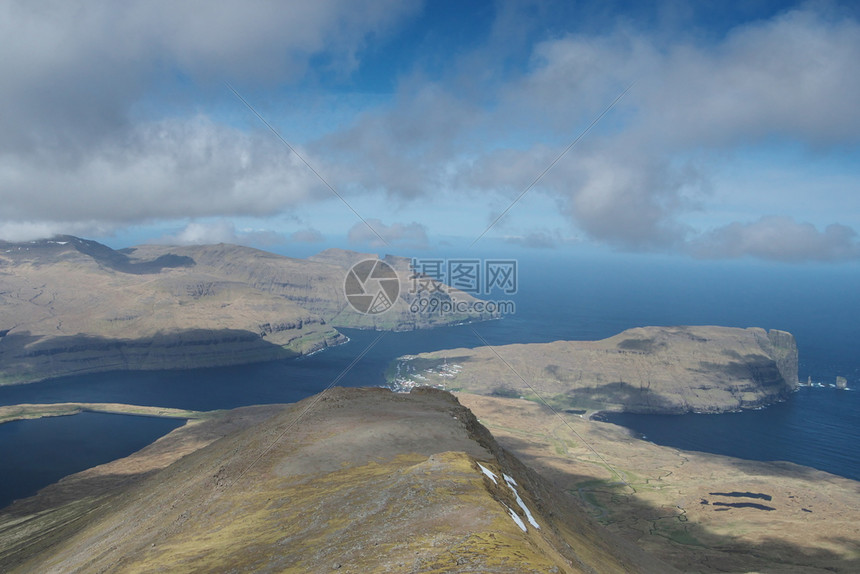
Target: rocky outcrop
{"x":645,"y":370}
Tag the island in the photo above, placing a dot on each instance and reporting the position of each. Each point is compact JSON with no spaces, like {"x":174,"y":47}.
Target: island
{"x":658,"y":370}
{"x":25,"y":411}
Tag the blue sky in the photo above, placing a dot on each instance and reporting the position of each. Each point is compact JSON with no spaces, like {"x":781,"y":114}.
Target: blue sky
{"x":738,"y":135}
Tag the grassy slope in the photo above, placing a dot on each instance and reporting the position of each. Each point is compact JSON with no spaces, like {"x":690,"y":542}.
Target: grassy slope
{"x":369,"y":481}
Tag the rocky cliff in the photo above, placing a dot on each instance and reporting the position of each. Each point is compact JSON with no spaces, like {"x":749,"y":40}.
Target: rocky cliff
{"x":783,"y":350}
{"x":646,"y":370}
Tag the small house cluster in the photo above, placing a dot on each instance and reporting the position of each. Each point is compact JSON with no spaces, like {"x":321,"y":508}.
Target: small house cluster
{"x":406,"y":377}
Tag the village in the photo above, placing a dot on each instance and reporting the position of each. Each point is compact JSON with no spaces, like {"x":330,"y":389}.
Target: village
{"x":407,"y":376}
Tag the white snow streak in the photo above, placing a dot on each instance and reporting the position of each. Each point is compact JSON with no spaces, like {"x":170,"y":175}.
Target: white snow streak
{"x":512,"y":483}
{"x":489,"y":473}
{"x":516,"y":518}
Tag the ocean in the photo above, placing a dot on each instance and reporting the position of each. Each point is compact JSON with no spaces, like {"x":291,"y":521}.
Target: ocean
{"x":570,"y":298}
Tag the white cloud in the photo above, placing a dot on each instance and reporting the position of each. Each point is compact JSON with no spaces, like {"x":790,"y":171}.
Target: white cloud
{"x":74,"y":147}
{"x":169,"y":169}
{"x":539,"y":239}
{"x":196,"y":233}
{"x":309,"y":235}
{"x":779,"y":239}
{"x":633,"y":181}
{"x":29,"y":230}
{"x":221,"y":231}
{"x":79,"y":149}
{"x":403,"y":148}
{"x":73,"y":70}
{"x":412,"y":235}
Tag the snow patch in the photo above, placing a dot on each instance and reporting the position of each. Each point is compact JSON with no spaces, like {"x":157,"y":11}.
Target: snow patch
{"x":516,"y":518}
{"x":512,"y":484}
{"x":489,"y":473}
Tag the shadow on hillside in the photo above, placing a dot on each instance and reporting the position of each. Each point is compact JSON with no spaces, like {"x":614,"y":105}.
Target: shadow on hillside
{"x":635,"y":398}
{"x":120,"y":261}
{"x":28,"y":358}
{"x":612,"y":503}
{"x":758,"y":368}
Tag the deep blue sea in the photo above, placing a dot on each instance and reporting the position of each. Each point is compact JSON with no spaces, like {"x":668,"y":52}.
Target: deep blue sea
{"x":575,"y":298}
{"x":35,"y":453}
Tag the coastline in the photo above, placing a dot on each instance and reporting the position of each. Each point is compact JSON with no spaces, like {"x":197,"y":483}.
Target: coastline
{"x":28,"y":411}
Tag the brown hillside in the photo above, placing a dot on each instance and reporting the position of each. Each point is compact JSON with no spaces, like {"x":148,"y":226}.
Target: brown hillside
{"x":364,"y":481}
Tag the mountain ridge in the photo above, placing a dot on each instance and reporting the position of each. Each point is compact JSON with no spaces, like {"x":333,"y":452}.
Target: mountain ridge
{"x":370,"y":481}
{"x":71,"y":306}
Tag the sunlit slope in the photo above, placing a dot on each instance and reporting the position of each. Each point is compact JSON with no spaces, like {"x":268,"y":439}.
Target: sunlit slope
{"x":317,"y":283}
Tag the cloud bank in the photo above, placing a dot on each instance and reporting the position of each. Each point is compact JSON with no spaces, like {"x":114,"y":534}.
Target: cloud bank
{"x":98,"y":132}
{"x":79,"y":146}
{"x":779,"y":239}
{"x":631,"y":182}
{"x":376,"y":233}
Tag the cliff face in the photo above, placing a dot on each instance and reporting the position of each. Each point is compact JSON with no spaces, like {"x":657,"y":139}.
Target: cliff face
{"x":70,"y":306}
{"x":25,"y":358}
{"x":647,"y":370}
{"x":364,"y":481}
{"x":784,"y":352}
